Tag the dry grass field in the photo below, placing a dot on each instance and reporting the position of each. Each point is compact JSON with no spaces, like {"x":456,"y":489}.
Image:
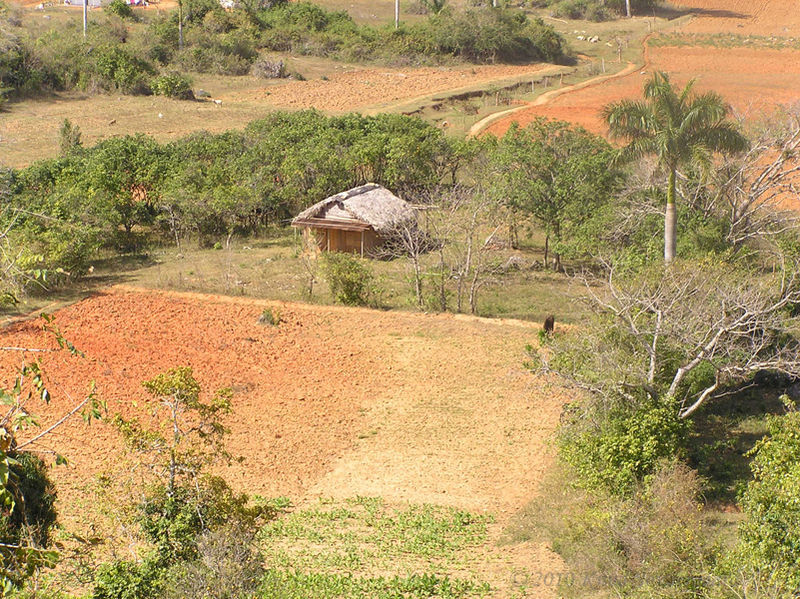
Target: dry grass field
{"x":29,"y":129}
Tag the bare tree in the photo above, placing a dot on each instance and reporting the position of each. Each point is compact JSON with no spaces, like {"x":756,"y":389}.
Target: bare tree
{"x":690,"y":332}
{"x":407,"y":239}
{"x":478,"y":220}
{"x":759,"y":190}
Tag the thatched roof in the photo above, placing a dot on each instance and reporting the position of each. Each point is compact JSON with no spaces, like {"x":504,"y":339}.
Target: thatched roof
{"x":362,"y":207}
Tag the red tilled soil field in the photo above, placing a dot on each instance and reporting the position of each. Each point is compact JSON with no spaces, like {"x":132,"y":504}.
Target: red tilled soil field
{"x":333,"y":402}
{"x":747,"y":17}
{"x":751,"y":80}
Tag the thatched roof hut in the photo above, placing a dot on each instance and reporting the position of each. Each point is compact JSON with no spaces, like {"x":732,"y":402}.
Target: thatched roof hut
{"x":355,"y":220}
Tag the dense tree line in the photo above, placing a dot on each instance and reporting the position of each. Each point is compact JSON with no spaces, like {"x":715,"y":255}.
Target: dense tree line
{"x":595,"y":10}
{"x":122,"y":55}
{"x":125,"y":190}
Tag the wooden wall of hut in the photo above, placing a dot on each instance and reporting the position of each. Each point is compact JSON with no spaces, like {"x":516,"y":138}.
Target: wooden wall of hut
{"x":336,"y":240}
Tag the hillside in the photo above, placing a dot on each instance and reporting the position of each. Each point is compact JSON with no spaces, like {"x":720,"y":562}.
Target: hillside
{"x":332,"y":403}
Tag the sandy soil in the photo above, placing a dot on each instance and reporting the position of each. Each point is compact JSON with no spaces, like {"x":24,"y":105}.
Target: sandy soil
{"x":333,"y":402}
{"x":751,"y":80}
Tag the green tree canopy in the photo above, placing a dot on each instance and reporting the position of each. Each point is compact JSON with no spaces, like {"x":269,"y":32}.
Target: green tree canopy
{"x":679,"y":128}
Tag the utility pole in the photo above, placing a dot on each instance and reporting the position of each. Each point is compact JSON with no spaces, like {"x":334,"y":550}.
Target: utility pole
{"x":180,"y":24}
{"x":85,"y":16}
{"x":397,"y":14}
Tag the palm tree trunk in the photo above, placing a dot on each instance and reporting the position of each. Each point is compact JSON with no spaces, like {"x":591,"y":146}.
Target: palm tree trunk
{"x":670,"y":220}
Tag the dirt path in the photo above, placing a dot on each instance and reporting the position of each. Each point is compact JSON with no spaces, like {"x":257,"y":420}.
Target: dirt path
{"x":548,"y":97}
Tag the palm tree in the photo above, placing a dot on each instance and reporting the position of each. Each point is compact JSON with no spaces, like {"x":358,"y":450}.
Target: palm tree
{"x":678,"y":128}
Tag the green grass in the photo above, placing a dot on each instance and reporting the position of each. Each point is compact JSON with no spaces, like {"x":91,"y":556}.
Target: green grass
{"x":294,"y":585}
{"x":362,"y":547}
{"x":272,"y":268}
{"x":723,"y":434}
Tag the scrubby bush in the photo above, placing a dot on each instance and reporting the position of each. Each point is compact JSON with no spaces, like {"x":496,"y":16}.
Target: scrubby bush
{"x":69,"y":137}
{"x":473,"y":35}
{"x":173,"y":85}
{"x":491,"y":36}
{"x":121,"y":70}
{"x":771,"y":502}
{"x":654,"y":543}
{"x":268,"y":67}
{"x":618,"y":447}
{"x":592,"y":10}
{"x":187,"y":517}
{"x":228,"y":566}
{"x":350,"y":278}
{"x":119,"y":8}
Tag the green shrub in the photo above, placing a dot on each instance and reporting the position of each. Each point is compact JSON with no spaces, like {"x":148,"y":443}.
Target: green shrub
{"x":119,"y":8}
{"x":128,"y":580}
{"x":121,"y":70}
{"x":771,"y":533}
{"x":270,"y":316}
{"x":65,"y":251}
{"x":350,"y":279}
{"x":29,"y":523}
{"x":591,"y":10}
{"x":474,"y":35}
{"x":173,"y":85}
{"x":211,"y":60}
{"x":616,"y":448}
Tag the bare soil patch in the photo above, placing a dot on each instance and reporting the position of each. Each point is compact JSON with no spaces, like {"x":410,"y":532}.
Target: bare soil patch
{"x":753,"y":17}
{"x":751,"y":80}
{"x":363,"y":88}
{"x":333,"y":402}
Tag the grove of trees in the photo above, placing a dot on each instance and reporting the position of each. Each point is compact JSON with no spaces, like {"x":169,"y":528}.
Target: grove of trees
{"x":670,"y":338}
{"x":121,"y":54}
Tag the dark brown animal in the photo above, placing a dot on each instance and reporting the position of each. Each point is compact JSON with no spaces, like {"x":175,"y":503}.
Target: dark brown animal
{"x":549,"y":323}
